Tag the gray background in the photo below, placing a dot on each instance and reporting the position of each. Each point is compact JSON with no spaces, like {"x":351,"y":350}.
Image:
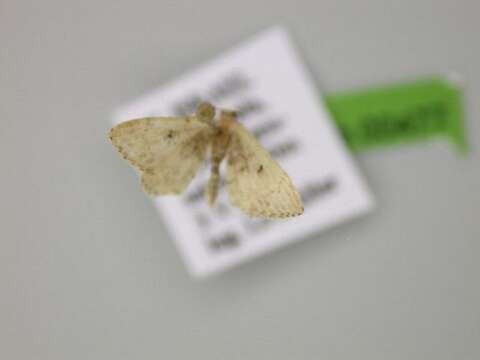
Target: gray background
{"x":86,"y":268}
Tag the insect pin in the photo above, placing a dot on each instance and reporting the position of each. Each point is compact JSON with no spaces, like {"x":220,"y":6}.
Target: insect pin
{"x":168,"y":152}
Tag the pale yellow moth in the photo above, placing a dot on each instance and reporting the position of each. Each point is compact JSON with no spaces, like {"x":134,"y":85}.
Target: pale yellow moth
{"x":169,"y":151}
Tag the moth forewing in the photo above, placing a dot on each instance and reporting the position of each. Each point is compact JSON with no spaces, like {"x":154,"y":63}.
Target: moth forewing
{"x":256,"y":182}
{"x":167,"y":151}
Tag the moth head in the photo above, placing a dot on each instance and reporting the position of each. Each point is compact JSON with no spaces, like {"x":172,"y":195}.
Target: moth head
{"x":205,"y":112}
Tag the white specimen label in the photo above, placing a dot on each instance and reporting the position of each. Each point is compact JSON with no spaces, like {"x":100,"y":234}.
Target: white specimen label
{"x":267,"y":84}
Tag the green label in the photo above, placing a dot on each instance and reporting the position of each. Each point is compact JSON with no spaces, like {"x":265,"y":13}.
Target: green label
{"x":400,"y":113}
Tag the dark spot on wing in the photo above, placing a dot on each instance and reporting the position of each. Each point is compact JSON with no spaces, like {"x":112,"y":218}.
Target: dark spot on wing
{"x":260,"y":169}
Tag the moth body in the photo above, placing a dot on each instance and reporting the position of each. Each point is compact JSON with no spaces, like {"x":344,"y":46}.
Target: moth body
{"x":169,"y":151}
{"x":220,"y":142}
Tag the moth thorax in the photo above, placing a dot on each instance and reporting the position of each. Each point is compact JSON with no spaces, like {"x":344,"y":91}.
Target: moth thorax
{"x":228,"y":115}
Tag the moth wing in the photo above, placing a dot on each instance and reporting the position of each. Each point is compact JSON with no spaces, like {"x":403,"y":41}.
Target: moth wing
{"x":256,"y":182}
{"x":168,"y":151}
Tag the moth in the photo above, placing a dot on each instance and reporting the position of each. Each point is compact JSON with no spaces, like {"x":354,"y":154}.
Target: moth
{"x":168,"y":152}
